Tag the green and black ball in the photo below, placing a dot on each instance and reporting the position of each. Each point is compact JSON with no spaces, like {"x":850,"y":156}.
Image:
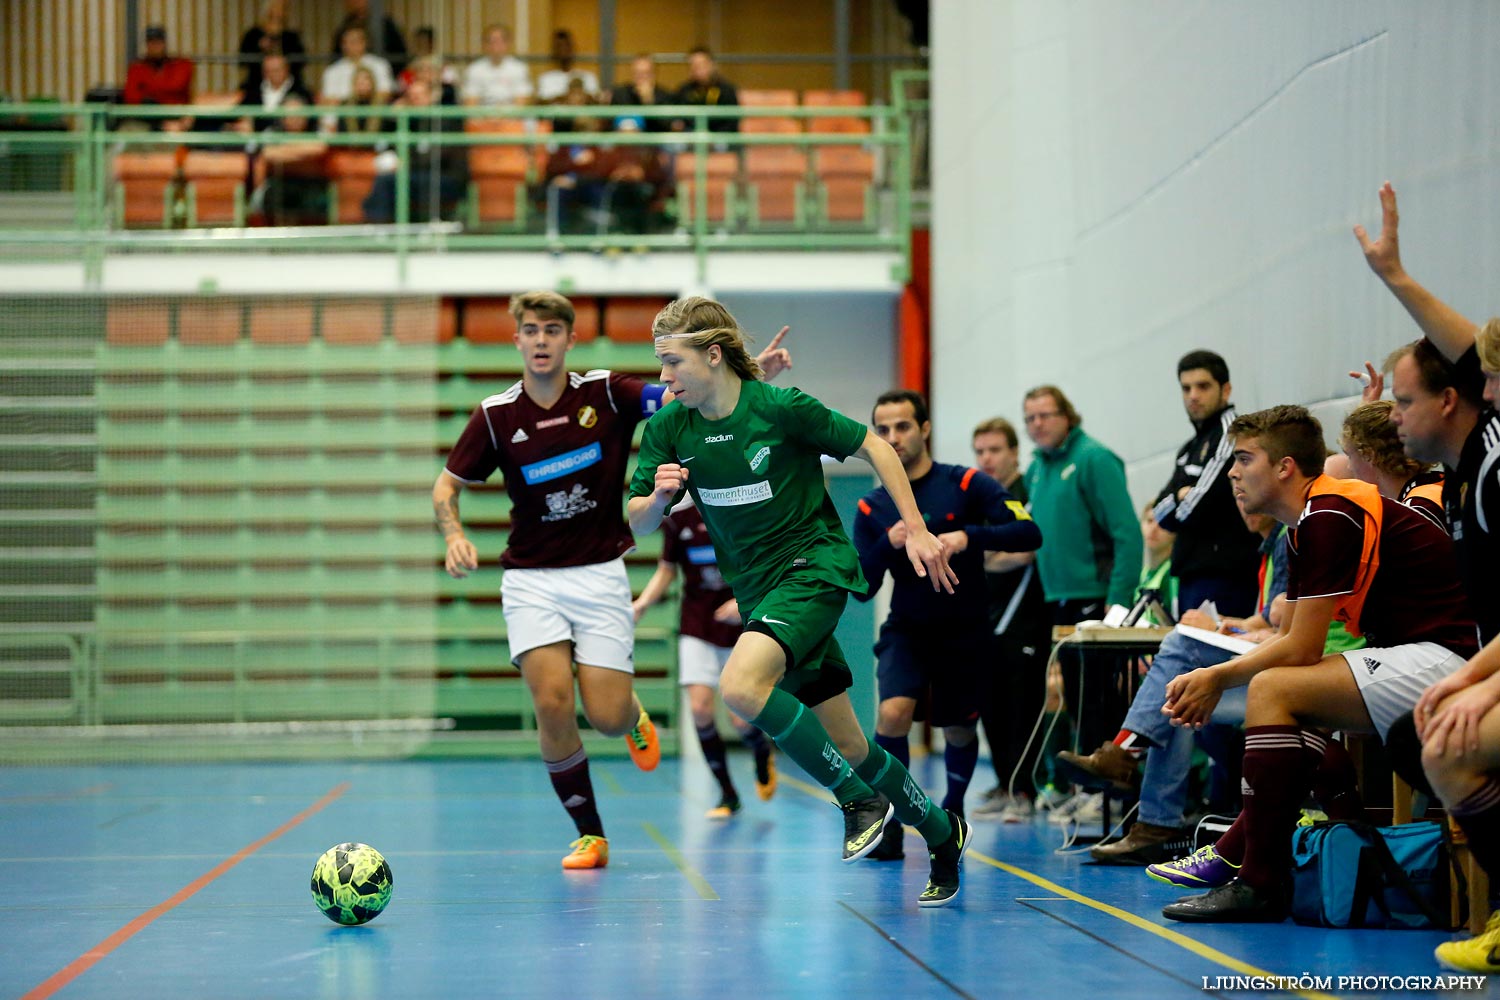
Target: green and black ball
{"x":351,"y":883}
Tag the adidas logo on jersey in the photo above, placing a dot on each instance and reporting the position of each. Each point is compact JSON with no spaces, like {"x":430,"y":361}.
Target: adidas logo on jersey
{"x":1371,"y":665}
{"x":519,"y":436}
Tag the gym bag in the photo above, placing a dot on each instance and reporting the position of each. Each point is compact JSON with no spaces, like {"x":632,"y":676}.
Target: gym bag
{"x":1361,"y":875}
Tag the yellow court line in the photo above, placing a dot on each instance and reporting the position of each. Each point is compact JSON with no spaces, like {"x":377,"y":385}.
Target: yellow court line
{"x":1181,"y":940}
{"x":610,"y":781}
{"x":705,"y":891}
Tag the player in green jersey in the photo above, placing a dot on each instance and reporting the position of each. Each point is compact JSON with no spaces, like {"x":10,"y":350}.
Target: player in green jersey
{"x":751,"y":456}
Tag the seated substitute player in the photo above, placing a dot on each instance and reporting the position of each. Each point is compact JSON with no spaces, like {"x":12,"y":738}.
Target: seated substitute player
{"x":1372,"y":444}
{"x":932,"y":645}
{"x":708,"y":627}
{"x":1378,"y":566}
{"x":751,"y":457}
{"x":562,"y":441}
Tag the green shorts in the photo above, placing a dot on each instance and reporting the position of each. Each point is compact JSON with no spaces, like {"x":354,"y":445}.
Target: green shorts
{"x":800,"y":613}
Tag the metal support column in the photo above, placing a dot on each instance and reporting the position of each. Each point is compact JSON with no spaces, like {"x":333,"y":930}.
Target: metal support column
{"x":606,"y":45}
{"x":841,"y":44}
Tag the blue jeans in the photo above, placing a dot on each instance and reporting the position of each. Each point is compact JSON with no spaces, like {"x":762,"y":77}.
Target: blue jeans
{"x":1165,"y":782}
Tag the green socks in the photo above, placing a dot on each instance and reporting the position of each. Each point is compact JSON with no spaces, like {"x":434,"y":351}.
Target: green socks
{"x":885,"y":774}
{"x":802,"y":737}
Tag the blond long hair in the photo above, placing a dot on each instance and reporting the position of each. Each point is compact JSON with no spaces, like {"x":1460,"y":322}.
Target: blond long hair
{"x":701,"y":323}
{"x":1488,"y":342}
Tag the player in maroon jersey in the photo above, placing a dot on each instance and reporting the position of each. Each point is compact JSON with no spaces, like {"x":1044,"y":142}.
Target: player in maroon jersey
{"x":708,"y":628}
{"x":562,"y":441}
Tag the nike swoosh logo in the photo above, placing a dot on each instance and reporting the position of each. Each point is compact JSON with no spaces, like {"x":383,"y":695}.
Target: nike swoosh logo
{"x":685,"y":461}
{"x":774,"y":621}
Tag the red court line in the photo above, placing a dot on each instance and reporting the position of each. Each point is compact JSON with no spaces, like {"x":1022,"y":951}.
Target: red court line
{"x":90,"y":958}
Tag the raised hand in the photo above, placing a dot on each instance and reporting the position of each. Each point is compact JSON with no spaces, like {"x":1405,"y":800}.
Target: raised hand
{"x":1383,"y":253}
{"x":775,"y":359}
{"x":1373,"y":382}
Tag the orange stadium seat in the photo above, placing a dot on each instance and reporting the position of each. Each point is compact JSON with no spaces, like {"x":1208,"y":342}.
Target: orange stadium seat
{"x":585,"y":318}
{"x":217,"y":181}
{"x":722,"y":169}
{"x":487,"y":321}
{"x":775,"y":179}
{"x":627,"y":319}
{"x":846,"y":177}
{"x":281,"y":321}
{"x":421,"y":320}
{"x":351,"y":174}
{"x":142,"y":323}
{"x":836,"y":99}
{"x":769,"y":99}
{"x":352,"y":321}
{"x":209,"y":322}
{"x":497,"y":184}
{"x":142,"y":179}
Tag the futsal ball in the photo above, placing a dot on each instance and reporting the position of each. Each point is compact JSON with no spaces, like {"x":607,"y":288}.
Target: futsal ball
{"x":351,"y":883}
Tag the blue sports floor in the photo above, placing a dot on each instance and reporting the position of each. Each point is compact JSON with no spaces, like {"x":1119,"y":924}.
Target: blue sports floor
{"x":192,"y":881}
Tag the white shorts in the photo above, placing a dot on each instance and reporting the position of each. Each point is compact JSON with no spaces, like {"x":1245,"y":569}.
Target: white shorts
{"x":1392,"y":679}
{"x":700,"y":661}
{"x":586,"y":605}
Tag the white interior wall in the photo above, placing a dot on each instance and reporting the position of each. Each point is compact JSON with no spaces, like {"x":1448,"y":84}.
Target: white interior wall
{"x":1117,"y":183}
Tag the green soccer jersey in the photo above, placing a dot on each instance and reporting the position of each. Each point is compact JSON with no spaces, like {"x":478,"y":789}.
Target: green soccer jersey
{"x":757,"y":478}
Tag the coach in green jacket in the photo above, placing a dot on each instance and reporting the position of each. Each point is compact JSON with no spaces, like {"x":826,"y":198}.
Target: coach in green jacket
{"x":1092,"y":554}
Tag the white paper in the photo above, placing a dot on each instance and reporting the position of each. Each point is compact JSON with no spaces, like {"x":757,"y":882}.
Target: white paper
{"x":1233,"y":644}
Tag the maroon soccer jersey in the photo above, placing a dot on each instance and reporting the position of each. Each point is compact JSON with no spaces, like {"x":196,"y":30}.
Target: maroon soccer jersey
{"x":704,"y":590}
{"x":564,"y":467}
{"x":1415,"y":594}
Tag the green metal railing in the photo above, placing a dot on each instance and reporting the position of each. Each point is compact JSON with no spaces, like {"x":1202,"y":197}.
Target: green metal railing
{"x":93,"y":140}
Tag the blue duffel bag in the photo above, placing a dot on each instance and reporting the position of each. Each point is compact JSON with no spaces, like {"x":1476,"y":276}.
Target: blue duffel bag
{"x":1362,"y":875}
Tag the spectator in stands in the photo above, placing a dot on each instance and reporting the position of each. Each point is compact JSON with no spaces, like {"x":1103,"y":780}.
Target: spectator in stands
{"x":159,"y":78}
{"x":271,"y":36}
{"x":497,"y":77}
{"x":424,"y":50}
{"x":1092,"y":555}
{"x":277,"y":86}
{"x":438,"y":172}
{"x":553,"y":84}
{"x":705,"y":87}
{"x":642,"y":91}
{"x":1354,"y":556}
{"x":294,"y":176}
{"x":619,"y":184}
{"x":1372,"y":445}
{"x":434,"y":73}
{"x":338,"y":79}
{"x":1435,"y":383}
{"x":391,"y":43}
{"x":1213,"y":556}
{"x":1021,"y":635}
{"x":365,"y":104}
